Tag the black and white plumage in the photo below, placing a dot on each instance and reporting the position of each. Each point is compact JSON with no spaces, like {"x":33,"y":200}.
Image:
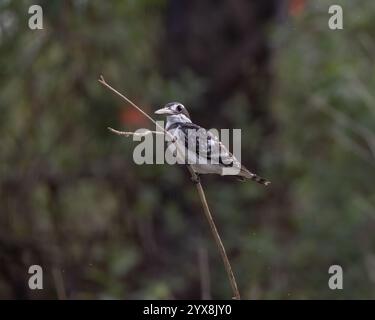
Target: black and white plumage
{"x":200,"y":148}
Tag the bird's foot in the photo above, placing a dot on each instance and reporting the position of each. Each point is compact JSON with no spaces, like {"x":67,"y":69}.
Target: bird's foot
{"x":196,"y":179}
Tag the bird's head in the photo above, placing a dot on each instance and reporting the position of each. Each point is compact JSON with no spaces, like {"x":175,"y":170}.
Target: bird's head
{"x":172,"y":109}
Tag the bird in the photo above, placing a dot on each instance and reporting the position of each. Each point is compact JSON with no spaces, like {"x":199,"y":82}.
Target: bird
{"x":210,"y":157}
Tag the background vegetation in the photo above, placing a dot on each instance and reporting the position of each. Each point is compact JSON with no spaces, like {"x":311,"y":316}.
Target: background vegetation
{"x":73,"y":201}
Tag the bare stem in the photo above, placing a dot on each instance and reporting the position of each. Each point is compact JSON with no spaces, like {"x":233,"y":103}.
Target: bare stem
{"x":137,"y":134}
{"x":104,"y":83}
{"x":216,"y":235}
{"x":200,"y":190}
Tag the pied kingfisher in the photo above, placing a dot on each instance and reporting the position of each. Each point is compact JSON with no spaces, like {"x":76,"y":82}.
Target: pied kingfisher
{"x":189,"y":136}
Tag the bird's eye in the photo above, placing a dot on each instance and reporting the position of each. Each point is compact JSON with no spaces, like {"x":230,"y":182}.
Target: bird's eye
{"x":179,"y":108}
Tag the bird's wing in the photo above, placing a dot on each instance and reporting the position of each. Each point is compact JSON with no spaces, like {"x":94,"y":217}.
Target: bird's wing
{"x":206,"y":146}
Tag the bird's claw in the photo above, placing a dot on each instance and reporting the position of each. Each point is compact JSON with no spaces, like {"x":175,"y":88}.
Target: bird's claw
{"x":196,"y":179}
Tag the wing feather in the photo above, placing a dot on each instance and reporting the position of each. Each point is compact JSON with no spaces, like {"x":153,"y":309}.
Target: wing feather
{"x":203,"y":145}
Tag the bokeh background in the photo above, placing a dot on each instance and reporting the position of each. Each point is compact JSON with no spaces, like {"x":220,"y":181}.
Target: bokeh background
{"x":73,"y":201}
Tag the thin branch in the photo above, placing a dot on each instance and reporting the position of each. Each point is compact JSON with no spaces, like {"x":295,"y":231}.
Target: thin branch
{"x":216,"y":235}
{"x":137,"y":134}
{"x":200,"y":190}
{"x":104,"y":83}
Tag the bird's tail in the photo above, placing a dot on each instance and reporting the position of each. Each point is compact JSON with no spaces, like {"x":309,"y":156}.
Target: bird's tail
{"x":244,"y":173}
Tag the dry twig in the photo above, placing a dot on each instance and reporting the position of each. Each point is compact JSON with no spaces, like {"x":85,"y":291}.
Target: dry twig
{"x":137,"y":134}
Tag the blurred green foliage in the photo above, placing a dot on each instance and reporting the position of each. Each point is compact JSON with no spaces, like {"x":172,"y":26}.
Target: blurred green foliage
{"x":73,"y":200}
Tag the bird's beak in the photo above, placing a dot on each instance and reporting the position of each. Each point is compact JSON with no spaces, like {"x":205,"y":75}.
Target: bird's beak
{"x":164,"y":111}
